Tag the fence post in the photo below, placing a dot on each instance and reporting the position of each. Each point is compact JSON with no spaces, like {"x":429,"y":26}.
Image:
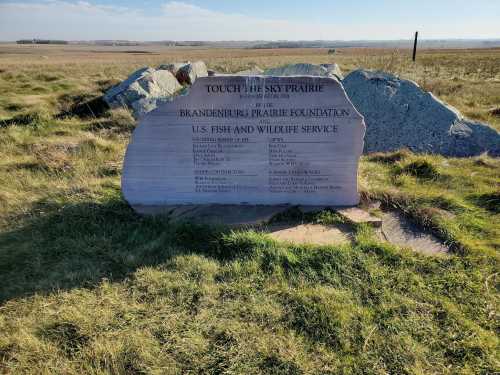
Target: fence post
{"x":415,"y":46}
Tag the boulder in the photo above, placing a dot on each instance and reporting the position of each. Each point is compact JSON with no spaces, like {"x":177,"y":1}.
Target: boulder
{"x":255,"y":71}
{"x":173,"y":67}
{"x":297,"y":70}
{"x":323,"y":70}
{"x":399,"y":114}
{"x":334,"y":69}
{"x":143,"y":90}
{"x":188,"y":73}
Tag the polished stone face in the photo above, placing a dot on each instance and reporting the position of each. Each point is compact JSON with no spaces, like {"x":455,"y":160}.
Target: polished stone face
{"x":248,"y":140}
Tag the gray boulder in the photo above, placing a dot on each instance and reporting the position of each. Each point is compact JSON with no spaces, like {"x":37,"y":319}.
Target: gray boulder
{"x":143,"y":90}
{"x":399,"y":114}
{"x":188,"y":73}
{"x":325,"y":70}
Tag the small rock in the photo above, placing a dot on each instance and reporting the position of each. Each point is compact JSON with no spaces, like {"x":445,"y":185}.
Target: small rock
{"x":143,"y":90}
{"x":188,"y":73}
{"x":399,"y":114}
{"x":359,"y":216}
{"x":211,"y":73}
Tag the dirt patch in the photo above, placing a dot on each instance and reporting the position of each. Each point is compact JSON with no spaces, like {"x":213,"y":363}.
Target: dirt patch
{"x":316,"y":234}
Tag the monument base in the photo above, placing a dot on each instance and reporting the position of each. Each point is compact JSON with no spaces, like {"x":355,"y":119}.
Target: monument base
{"x":224,"y":214}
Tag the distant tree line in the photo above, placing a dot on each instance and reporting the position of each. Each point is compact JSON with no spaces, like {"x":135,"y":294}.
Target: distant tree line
{"x":41,"y":41}
{"x":191,"y":43}
{"x":298,"y":44}
{"x":113,"y":43}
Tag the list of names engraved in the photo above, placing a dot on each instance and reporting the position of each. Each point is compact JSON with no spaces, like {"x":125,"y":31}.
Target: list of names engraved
{"x":248,"y":140}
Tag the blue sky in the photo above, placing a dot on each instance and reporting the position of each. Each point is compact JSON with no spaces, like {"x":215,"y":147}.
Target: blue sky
{"x":248,"y":20}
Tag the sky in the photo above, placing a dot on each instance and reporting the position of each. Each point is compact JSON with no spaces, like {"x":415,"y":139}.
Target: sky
{"x":211,"y":20}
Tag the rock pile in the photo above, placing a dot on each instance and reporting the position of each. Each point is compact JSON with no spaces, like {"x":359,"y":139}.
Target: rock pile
{"x":144,"y":89}
{"x":399,"y":114}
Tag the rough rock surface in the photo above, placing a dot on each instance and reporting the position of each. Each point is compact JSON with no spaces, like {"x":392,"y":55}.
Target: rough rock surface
{"x":334,"y":69}
{"x":400,"y":231}
{"x":218,"y":214}
{"x":173,"y":67}
{"x":399,"y":114}
{"x":304,"y":70}
{"x":255,"y":71}
{"x":310,"y":234}
{"x":143,"y":90}
{"x":188,"y":73}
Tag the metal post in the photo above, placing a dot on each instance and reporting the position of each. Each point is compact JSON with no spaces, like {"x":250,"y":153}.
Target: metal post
{"x":415,"y":46}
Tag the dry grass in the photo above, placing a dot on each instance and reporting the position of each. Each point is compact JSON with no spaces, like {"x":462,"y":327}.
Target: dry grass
{"x":33,"y":75}
{"x":89,"y":287}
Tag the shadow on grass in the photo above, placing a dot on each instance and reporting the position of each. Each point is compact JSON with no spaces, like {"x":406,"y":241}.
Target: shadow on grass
{"x":82,"y":106}
{"x":488,"y":201}
{"x":79,"y":106}
{"x":78,"y":245}
{"x":25,"y":119}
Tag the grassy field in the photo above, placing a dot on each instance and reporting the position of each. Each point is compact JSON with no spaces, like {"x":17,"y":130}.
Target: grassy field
{"x":87,"y":286}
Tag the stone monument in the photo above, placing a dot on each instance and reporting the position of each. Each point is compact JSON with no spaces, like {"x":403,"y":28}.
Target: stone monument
{"x":254,"y":140}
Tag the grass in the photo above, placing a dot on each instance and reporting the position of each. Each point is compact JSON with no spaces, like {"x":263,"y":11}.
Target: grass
{"x":87,"y":286}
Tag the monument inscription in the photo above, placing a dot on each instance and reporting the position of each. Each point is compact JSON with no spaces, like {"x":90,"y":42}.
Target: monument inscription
{"x":248,"y":140}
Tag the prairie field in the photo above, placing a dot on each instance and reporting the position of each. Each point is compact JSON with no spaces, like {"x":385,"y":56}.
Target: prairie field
{"x":88,"y":286}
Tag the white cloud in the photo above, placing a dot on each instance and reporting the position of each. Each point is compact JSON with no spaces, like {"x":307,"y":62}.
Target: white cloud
{"x":84,"y":20}
{"x":176,"y":21}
